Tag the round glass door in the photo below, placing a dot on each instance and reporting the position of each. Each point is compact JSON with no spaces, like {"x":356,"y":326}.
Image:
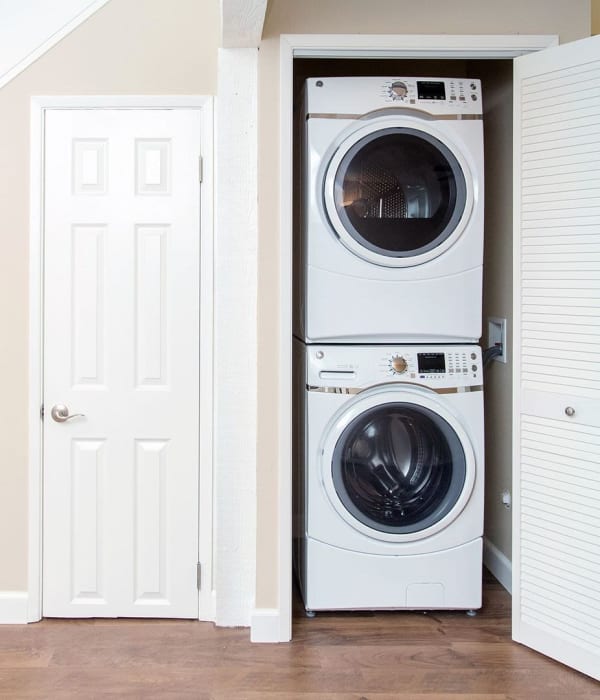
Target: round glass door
{"x":398,"y":468}
{"x":398,"y":192}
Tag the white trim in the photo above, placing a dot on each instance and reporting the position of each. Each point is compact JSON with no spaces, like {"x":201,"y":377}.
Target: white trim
{"x":265,"y":625}
{"x":39,"y":105}
{"x":415,"y":45}
{"x":20,"y":66}
{"x":516,"y":365}
{"x":236,"y":284}
{"x":36,"y":314}
{"x":340,"y":45}
{"x":497,"y":563}
{"x":14,"y":608}
{"x":207,"y":594}
{"x":122,"y":101}
{"x":284,"y":477}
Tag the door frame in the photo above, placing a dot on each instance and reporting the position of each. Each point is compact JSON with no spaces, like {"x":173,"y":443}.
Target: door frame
{"x":39,"y":106}
{"x":413,"y":46}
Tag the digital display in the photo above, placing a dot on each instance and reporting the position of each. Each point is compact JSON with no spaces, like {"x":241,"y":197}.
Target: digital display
{"x":431,"y":90}
{"x":431,"y":362}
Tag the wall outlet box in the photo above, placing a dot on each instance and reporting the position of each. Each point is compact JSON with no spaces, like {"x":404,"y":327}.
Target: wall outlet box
{"x":497,"y":335}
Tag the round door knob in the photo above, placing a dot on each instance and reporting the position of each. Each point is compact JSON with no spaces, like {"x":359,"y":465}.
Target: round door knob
{"x":570,"y":411}
{"x":399,"y":364}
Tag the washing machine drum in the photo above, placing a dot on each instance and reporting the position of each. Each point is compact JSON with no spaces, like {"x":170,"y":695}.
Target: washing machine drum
{"x":398,"y":468}
{"x":398,"y":193}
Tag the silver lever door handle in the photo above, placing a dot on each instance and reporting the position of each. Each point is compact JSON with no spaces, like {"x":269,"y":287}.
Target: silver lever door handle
{"x":60,"y":413}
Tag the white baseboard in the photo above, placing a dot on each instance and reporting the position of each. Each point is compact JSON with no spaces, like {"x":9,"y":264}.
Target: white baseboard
{"x":13,"y":607}
{"x":265,"y":626}
{"x":498,"y":563}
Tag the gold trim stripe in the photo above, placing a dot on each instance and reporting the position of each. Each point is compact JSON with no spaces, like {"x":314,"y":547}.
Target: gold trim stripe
{"x":398,"y":385}
{"x":432,"y":117}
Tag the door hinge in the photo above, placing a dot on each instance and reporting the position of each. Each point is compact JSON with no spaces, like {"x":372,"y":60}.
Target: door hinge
{"x":200,"y":169}
{"x":42,"y":411}
{"x":198,"y":575}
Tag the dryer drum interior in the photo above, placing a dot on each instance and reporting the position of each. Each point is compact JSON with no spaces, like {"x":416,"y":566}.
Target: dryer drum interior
{"x":399,"y":468}
{"x":399,"y":192}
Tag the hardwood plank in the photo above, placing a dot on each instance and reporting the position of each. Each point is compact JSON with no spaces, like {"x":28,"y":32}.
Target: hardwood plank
{"x":335,"y":656}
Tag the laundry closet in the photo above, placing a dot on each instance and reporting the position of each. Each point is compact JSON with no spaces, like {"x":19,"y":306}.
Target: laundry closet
{"x":454,"y":307}
{"x":554,"y":430}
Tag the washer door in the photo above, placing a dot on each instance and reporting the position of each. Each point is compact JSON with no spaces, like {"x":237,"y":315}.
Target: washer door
{"x":397,"y":465}
{"x":397,"y":195}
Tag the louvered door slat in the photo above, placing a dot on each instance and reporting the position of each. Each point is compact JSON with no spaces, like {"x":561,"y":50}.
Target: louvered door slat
{"x":556,"y":527}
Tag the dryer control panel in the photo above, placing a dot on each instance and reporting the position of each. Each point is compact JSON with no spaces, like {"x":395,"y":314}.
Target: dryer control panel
{"x":437,"y":367}
{"x":355,"y":97}
{"x":429,"y":91}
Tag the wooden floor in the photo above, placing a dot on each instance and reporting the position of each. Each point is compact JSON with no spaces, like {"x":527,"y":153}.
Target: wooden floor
{"x":341,"y":656}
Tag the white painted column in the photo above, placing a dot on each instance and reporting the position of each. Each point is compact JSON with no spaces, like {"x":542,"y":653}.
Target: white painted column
{"x":235,"y":390}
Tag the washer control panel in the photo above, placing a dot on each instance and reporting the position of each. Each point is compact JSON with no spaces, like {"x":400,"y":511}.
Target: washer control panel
{"x":358,"y":96}
{"x":438,"y":367}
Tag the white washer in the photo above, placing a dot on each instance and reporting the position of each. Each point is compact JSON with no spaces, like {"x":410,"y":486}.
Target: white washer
{"x":391,"y":232}
{"x":389,"y":483}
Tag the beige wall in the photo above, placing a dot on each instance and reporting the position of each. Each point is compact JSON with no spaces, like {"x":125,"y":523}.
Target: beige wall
{"x":172,"y":49}
{"x":128,"y":47}
{"x":595,"y":16}
{"x":570,"y":19}
{"x":496,"y":77}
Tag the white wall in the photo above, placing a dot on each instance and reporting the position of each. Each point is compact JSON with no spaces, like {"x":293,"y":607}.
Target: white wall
{"x":29,"y":27}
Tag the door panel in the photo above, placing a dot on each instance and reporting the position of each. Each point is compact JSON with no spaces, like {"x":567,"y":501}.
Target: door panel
{"x":556,"y":556}
{"x":121,"y":347}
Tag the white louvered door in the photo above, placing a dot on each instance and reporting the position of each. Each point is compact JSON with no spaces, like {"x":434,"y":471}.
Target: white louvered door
{"x":556,"y":481}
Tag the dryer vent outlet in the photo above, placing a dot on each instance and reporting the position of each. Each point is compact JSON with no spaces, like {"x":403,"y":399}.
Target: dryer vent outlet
{"x":497,"y":336}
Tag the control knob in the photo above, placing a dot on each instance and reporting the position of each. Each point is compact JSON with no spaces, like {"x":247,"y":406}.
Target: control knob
{"x":398,"y":90}
{"x":398,"y":364}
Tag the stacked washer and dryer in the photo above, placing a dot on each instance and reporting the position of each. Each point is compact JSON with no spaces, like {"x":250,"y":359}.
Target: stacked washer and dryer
{"x":389,"y":477}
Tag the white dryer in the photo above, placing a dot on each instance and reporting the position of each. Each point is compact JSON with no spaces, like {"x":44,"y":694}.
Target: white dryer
{"x":391,"y":230}
{"x":389,"y":486}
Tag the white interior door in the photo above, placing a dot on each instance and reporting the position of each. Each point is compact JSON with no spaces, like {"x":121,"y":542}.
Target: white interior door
{"x":121,"y":347}
{"x":556,"y":527}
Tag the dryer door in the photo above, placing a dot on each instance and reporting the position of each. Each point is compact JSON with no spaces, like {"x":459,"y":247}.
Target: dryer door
{"x":398,"y":466}
{"x":397,"y":195}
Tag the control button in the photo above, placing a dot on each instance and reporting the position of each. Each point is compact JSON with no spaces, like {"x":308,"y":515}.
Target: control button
{"x":465,"y":370}
{"x":462,"y":98}
{"x":473,"y":86}
{"x":319,"y":354}
{"x":474,"y":98}
{"x":473,"y":356}
{"x":474,"y":368}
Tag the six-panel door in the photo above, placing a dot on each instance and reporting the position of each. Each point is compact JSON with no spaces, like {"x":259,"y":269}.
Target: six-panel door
{"x":121,"y":347}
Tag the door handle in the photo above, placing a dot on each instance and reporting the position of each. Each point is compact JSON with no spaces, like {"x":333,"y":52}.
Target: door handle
{"x":60,"y":413}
